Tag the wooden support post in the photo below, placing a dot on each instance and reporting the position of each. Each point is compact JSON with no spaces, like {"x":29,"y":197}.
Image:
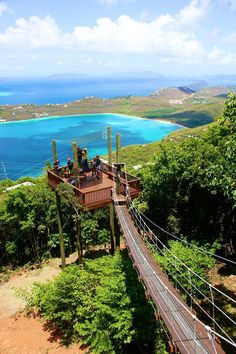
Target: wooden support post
{"x":118,"y":170}
{"x":78,"y":239}
{"x":172,"y":347}
{"x":75,"y":163}
{"x":109,"y":145}
{"x":59,"y":219}
{"x":112,"y":225}
{"x":117,"y":233}
{"x":75,"y":157}
{"x":117,"y":148}
{"x":117,"y":236}
{"x":54,"y":150}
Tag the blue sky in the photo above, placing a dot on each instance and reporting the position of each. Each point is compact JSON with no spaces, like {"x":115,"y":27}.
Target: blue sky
{"x":98,"y":37}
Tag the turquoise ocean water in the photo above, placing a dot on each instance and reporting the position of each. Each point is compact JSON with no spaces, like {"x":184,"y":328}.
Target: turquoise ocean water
{"x":26,"y":146}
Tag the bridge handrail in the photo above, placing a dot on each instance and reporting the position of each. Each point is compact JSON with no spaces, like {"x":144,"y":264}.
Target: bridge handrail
{"x":105,"y":167}
{"x":151,"y":235}
{"x":183,"y":305}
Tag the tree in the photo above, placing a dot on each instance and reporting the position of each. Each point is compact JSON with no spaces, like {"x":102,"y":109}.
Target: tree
{"x":190,"y":188}
{"x":198,"y":263}
{"x":28,"y":219}
{"x":89,"y":303}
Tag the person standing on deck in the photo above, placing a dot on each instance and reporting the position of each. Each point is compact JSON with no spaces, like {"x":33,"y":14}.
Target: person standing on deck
{"x":85,"y":166}
{"x":80,"y":155}
{"x":56,"y":166}
{"x":69,"y":165}
{"x":97,"y":166}
{"x":85,"y":154}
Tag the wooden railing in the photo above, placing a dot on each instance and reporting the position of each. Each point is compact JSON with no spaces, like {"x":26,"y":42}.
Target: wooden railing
{"x":133,"y":181}
{"x":86,"y":199}
{"x":101,"y":196}
{"x":95,"y":197}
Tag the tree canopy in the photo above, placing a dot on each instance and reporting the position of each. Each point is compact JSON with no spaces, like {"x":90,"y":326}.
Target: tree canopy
{"x":190,"y":188}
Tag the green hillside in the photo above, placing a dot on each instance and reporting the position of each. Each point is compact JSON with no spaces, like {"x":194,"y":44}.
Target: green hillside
{"x":172,"y":104}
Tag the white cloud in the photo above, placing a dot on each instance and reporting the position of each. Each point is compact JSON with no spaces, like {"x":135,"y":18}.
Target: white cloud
{"x":35,"y":33}
{"x":231,"y":3}
{"x":3,"y":7}
{"x":230,"y":38}
{"x":108,"y":2}
{"x":128,"y":36}
{"x":113,"y":2}
{"x":193,"y":12}
{"x":167,"y":37}
{"x":220,"y":56}
{"x":123,"y":36}
{"x":112,"y":63}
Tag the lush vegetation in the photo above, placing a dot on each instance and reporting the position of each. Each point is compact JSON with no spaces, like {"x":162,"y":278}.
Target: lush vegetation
{"x":101,"y":305}
{"x":190,"y":187}
{"x":29,"y":229}
{"x":177,"y":268}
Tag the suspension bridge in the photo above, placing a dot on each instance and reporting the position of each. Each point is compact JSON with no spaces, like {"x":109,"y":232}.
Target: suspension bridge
{"x":188,"y":334}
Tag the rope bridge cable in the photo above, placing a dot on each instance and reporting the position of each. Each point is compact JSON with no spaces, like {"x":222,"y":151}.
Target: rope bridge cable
{"x":192,"y":298}
{"x":140,"y":221}
{"x":161,"y":322}
{"x":197,"y":275}
{"x":194,"y":286}
{"x":33,"y":167}
{"x":230,"y":339}
{"x":227,"y":340}
{"x":186,"y":242}
{"x":117,"y":203}
{"x":215,"y":306}
{"x":200,"y":292}
{"x":204,"y":311}
{"x":97,"y":136}
{"x":189,"y":269}
{"x":164,"y":287}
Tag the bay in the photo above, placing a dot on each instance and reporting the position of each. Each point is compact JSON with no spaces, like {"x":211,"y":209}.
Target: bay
{"x":25,"y":146}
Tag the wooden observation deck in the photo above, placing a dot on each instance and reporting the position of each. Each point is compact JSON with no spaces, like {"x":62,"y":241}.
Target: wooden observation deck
{"x":93,"y":192}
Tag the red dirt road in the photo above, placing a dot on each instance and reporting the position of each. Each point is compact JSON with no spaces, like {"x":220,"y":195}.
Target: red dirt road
{"x":26,"y":335}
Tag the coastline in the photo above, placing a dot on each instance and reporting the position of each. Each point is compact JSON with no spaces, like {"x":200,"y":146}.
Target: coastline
{"x":192,"y":112}
{"x":88,"y":114}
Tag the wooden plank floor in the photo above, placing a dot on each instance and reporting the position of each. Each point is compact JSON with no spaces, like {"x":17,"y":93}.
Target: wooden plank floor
{"x":92,"y":184}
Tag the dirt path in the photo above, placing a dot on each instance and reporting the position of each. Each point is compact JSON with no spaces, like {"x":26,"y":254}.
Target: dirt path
{"x":24,"y":335}
{"x":27,"y":335}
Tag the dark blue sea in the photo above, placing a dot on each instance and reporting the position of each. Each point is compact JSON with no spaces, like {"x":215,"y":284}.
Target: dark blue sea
{"x":63,"y":89}
{"x":58,"y":90}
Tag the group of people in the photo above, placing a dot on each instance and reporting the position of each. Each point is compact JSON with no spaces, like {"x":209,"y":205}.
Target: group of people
{"x":85,"y":166}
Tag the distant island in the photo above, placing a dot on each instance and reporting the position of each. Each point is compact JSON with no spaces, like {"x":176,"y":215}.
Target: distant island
{"x":191,"y":106}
